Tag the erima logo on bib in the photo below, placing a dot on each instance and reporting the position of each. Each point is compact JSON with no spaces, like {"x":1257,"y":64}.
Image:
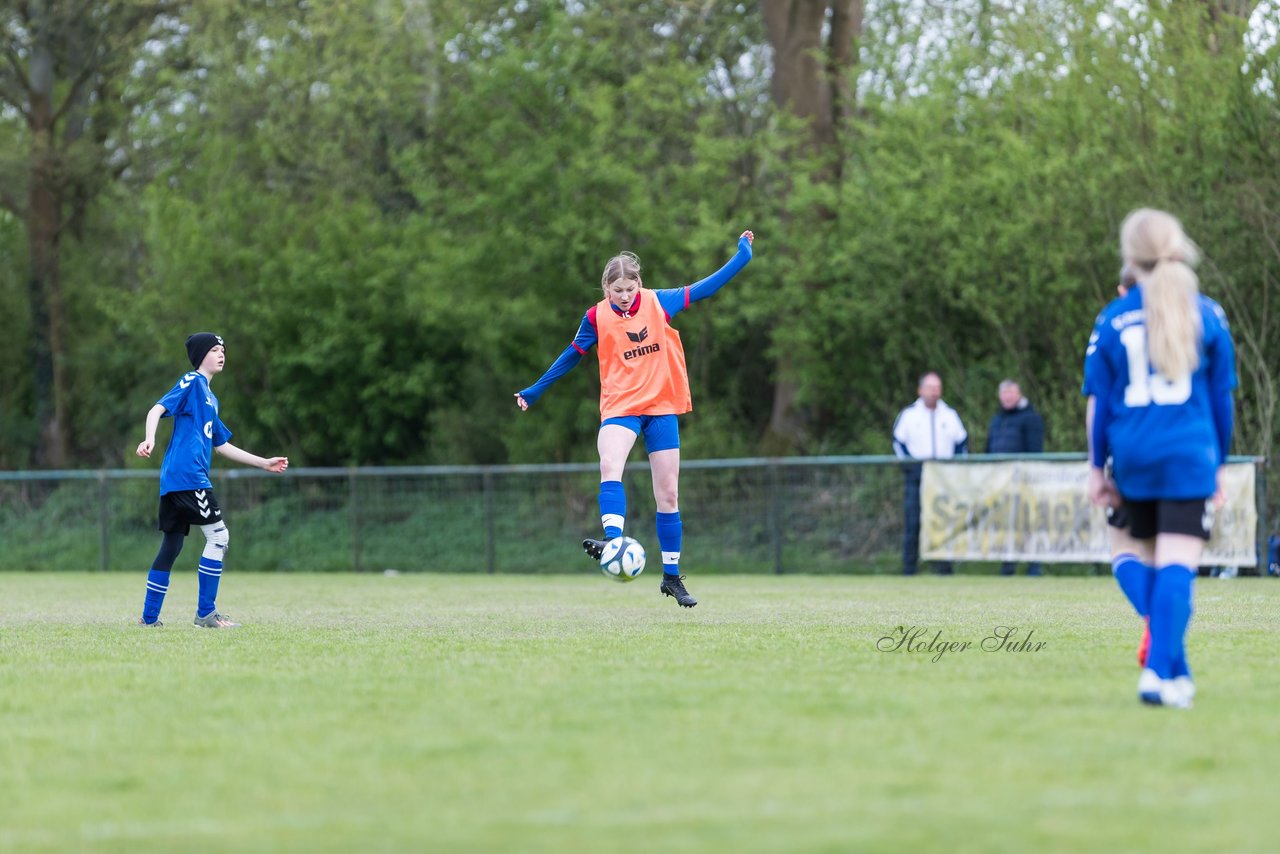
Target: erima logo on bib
{"x":641,"y":351}
{"x":638,"y":337}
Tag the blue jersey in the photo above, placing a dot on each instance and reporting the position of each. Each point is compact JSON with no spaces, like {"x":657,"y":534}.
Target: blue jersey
{"x":197,"y":430}
{"x":1166,"y":439}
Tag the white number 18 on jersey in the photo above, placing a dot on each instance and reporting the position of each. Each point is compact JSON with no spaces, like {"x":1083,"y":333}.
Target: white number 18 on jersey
{"x":1146,"y":388}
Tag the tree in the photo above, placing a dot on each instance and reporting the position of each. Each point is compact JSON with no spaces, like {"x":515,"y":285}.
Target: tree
{"x":64,"y":63}
{"x":814,"y":53}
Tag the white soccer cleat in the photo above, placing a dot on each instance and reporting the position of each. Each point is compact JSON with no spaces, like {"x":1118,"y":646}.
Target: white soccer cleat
{"x":1185,"y":690}
{"x":1149,"y":685}
{"x":1175,"y":693}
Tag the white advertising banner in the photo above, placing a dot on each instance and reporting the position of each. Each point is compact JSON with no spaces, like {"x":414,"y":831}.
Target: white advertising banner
{"x":1025,"y":510}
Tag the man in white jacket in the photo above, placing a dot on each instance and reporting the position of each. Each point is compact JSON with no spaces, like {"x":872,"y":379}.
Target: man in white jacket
{"x":926,"y":430}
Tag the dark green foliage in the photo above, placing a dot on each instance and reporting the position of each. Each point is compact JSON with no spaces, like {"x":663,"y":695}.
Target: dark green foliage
{"x":397,"y":214}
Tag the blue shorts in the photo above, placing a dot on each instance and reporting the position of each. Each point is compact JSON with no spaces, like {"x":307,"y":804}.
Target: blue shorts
{"x":661,"y":432}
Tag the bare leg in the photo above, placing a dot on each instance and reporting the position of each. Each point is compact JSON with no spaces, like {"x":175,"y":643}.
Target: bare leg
{"x":665,"y":466}
{"x":614,"y":442}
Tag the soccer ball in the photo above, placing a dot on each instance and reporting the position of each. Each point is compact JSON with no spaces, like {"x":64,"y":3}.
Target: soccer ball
{"x":622,"y":559}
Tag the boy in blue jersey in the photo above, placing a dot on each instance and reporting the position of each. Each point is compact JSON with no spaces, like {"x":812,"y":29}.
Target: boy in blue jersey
{"x":186,"y":493}
{"x":644,"y":386}
{"x":1159,"y":373}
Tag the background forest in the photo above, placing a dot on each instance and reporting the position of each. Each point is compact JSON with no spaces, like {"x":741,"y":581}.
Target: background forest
{"x":396,"y":211}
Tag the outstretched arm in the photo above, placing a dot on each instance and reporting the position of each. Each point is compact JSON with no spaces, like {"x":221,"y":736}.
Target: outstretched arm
{"x":567,"y":361}
{"x":708,"y":286}
{"x":147,"y":445}
{"x":239,"y":455}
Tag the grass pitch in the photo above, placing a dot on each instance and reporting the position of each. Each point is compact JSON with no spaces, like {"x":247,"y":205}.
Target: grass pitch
{"x":565,"y":713}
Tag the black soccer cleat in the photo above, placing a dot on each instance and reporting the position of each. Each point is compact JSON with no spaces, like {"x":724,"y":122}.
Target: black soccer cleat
{"x":673,"y":585}
{"x":593,"y":548}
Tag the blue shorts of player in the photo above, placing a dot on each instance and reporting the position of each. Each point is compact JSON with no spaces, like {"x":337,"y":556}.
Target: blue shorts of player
{"x":660,"y":432}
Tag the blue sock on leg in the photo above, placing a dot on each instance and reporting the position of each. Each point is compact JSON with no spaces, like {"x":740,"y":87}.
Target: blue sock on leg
{"x":613,"y":508}
{"x":158,"y":577}
{"x":210,"y":574}
{"x":157,"y":586}
{"x":1170,"y":615}
{"x":670,"y":533}
{"x":1135,"y":579}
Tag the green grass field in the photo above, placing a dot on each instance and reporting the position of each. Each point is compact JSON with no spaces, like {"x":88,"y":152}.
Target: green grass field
{"x":563,"y":713}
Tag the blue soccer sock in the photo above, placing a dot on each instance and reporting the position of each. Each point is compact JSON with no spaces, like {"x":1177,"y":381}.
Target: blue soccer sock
{"x":158,"y":577}
{"x":210,"y":574}
{"x":1135,"y":579}
{"x":613,"y":508}
{"x":670,"y":533}
{"x":1170,"y":615}
{"x":157,"y":586}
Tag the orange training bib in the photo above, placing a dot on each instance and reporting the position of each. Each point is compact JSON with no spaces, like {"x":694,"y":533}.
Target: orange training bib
{"x":642,"y":370}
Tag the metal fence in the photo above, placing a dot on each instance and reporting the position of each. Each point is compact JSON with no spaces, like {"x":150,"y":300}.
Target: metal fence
{"x":792,"y":514}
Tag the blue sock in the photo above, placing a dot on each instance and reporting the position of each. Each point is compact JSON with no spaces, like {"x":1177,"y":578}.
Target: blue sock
{"x":670,"y":532}
{"x":158,"y":578}
{"x":157,"y":586}
{"x":613,"y":508}
{"x":1170,"y":615}
{"x":1135,"y":579}
{"x":210,"y":573}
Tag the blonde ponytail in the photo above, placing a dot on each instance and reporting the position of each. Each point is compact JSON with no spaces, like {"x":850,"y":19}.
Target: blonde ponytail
{"x":1153,"y":241}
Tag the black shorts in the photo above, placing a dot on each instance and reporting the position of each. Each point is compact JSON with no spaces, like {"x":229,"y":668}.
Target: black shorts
{"x":1145,"y":519}
{"x":180,"y":510}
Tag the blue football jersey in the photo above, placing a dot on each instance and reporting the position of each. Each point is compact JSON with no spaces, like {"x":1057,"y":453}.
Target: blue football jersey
{"x":197,"y":430}
{"x":1166,"y":439}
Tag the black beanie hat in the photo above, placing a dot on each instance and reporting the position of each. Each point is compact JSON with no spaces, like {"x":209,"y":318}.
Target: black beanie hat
{"x":199,"y":345}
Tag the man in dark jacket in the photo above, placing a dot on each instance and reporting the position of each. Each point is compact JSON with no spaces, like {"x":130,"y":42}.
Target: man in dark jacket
{"x":1016,"y":429}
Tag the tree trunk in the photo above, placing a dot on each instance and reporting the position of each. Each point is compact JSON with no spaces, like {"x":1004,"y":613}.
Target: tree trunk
{"x":44,"y":226}
{"x":1227,"y":22}
{"x":420,"y":23}
{"x":1239,"y":9}
{"x":811,"y":80}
